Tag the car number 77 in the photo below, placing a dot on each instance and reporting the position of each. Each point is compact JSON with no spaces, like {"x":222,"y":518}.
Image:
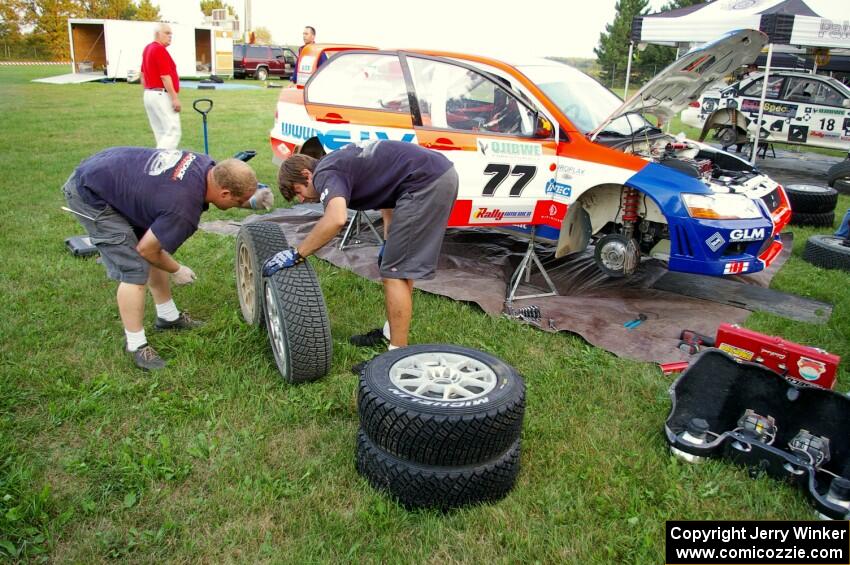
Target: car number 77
{"x":500,"y":172}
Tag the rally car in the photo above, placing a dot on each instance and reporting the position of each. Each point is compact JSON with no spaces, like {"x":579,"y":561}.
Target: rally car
{"x":539,"y":145}
{"x":799,"y":109}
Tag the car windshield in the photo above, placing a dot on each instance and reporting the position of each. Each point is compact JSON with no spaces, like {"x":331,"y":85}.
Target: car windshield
{"x":583,"y":100}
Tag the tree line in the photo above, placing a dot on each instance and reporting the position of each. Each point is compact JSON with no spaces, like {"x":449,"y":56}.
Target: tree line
{"x":613,"y":49}
{"x":38,"y":29}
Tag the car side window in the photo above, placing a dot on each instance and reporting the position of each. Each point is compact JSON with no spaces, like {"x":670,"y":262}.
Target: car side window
{"x":774,"y":87}
{"x":238,"y":50}
{"x":801,"y":89}
{"x":277,"y":52}
{"x":289,"y":56}
{"x":362,"y":80}
{"x":827,"y":95}
{"x":255,"y":52}
{"x":454,"y":97}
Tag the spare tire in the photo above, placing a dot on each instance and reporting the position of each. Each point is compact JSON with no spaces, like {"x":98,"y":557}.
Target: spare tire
{"x":839,"y":174}
{"x":443,"y":488}
{"x":255,"y":243}
{"x":811,"y":198}
{"x":821,"y":220}
{"x":297,"y":323}
{"x":441,"y":405}
{"x":828,"y":252}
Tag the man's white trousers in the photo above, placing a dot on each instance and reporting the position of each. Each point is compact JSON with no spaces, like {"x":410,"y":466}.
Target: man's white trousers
{"x":165,"y":122}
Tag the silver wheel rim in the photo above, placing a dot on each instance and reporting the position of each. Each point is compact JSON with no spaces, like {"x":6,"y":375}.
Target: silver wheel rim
{"x":834,"y":241}
{"x":443,"y":376}
{"x":246,"y":283}
{"x":277,"y":333}
{"x":811,"y":188}
{"x":613,"y":255}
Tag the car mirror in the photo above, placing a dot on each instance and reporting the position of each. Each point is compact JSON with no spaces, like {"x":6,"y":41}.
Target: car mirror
{"x":543,"y":127}
{"x":846,"y":103}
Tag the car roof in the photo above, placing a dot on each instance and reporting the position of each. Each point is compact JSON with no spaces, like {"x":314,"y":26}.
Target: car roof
{"x":828,"y":79}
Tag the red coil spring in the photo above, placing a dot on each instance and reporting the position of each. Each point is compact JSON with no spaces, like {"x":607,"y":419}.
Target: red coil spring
{"x":631,"y":199}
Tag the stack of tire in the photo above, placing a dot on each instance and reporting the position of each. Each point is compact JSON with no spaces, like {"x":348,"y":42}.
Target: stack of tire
{"x":839,"y":176}
{"x":440,"y":426}
{"x":812,"y":205}
{"x":290,"y":304}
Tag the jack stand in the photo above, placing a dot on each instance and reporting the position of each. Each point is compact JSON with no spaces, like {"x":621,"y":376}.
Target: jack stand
{"x":355,"y":226}
{"x":525,"y":267}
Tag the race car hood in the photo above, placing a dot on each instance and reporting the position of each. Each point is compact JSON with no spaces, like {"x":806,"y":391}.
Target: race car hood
{"x":684,"y":80}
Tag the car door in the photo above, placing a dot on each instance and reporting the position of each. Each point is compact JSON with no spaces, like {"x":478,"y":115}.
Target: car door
{"x":289,"y":59}
{"x":356,"y":97}
{"x":778,"y":116}
{"x":487,"y":131}
{"x":821,"y":111}
{"x":277,"y":65}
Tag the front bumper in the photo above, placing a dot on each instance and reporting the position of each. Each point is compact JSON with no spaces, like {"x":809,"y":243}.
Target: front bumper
{"x":730,"y":247}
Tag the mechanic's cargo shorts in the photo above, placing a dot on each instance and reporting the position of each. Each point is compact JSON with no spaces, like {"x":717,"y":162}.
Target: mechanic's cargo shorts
{"x":113,"y":236}
{"x":417,"y":230}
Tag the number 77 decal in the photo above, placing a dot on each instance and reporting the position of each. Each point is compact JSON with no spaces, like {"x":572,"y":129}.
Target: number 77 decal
{"x":500,"y":172}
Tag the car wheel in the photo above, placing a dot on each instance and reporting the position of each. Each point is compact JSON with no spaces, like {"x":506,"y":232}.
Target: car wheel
{"x":726,"y":136}
{"x":828,"y":252}
{"x":255,"y":243}
{"x":820,"y":220}
{"x":297,"y":323}
{"x":424,"y":486}
{"x":839,"y":176}
{"x":441,"y":405}
{"x":811,"y":199}
{"x":616,"y":255}
{"x":262,"y":73}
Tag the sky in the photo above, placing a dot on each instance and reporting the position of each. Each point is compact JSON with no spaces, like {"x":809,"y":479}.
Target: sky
{"x":562,"y":28}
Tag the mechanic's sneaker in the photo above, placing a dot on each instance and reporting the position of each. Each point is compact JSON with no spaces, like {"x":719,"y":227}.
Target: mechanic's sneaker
{"x":147,"y":359}
{"x":183,"y":322}
{"x":370,"y":339}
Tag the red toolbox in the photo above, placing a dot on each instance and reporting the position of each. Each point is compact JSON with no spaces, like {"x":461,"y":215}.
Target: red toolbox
{"x":808,"y":364}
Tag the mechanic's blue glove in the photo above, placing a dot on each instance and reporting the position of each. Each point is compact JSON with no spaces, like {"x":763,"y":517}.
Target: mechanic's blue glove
{"x":381,"y":254}
{"x":282,"y":260}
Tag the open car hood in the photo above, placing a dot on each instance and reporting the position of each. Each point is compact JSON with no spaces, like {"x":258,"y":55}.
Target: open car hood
{"x":683,"y":81}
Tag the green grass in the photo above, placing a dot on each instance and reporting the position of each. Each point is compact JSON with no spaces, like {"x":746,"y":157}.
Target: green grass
{"x":215,"y":459}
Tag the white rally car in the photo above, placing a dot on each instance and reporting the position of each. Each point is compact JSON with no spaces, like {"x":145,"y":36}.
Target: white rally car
{"x":799,"y":109}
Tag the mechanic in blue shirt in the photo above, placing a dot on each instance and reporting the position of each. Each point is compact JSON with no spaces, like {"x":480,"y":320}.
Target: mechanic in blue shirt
{"x":138,"y":206}
{"x":415,"y":189}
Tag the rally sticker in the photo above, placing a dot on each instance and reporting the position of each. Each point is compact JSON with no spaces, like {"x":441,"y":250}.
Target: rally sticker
{"x":736,"y":267}
{"x":736,"y":351}
{"x":810,"y":369}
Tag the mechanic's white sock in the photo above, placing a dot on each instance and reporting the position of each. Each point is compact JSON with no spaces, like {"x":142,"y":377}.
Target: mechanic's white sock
{"x":387,"y":330}
{"x":135,"y":339}
{"x":167,"y":311}
{"x":390,"y":347}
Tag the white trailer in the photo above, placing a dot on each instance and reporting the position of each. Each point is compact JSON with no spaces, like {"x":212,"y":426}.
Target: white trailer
{"x":114,"y":47}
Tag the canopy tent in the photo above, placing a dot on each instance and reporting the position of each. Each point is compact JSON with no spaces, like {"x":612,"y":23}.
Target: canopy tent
{"x":794,"y":23}
{"x":804,"y":23}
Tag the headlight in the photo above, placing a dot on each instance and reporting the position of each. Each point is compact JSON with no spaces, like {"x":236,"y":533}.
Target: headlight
{"x":721,"y":206}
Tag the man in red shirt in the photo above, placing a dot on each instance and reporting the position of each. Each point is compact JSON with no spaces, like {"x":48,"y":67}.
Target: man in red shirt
{"x":159,"y":77}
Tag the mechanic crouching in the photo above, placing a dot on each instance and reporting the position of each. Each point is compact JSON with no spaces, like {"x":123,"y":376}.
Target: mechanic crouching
{"x":415,"y":189}
{"x":138,"y":206}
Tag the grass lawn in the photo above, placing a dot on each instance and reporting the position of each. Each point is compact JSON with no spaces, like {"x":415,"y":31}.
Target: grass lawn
{"x":216,"y":459}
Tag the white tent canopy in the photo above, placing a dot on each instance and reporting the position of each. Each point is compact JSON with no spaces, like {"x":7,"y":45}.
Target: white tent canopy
{"x":805,"y":23}
{"x":797,"y":23}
